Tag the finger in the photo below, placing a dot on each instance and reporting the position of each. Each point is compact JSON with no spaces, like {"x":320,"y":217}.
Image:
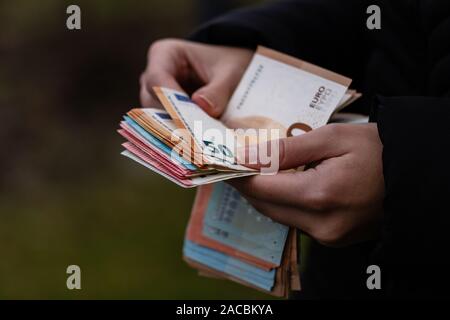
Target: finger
{"x":157,"y":78}
{"x":324,"y":228}
{"x":285,"y":188}
{"x":292,"y":152}
{"x":286,"y":215}
{"x":214,"y":96}
{"x":147,"y":100}
{"x":163,"y":66}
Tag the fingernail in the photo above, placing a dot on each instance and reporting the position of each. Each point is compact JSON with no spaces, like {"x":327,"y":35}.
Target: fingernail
{"x":211,"y":106}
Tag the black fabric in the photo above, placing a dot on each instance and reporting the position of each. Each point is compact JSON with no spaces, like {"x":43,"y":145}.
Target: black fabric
{"x":416,"y":138}
{"x":403,"y":71}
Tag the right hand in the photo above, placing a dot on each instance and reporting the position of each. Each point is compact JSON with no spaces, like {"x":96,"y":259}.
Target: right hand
{"x":210,"y":73}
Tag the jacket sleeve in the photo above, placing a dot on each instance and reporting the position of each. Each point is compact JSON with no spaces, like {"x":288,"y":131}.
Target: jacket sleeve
{"x":415,"y":133}
{"x":319,"y":31}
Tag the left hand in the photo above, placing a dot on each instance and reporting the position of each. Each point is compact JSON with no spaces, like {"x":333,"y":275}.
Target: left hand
{"x":338,"y":201}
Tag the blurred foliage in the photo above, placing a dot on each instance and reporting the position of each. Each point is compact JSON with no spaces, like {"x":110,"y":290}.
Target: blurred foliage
{"x":66,"y":195}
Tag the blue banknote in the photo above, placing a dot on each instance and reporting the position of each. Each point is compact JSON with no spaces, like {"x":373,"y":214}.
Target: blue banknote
{"x":258,"y":250}
{"x":223,"y":263}
{"x":231,"y":220}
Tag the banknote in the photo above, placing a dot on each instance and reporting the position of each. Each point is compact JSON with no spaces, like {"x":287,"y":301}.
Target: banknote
{"x":285,"y":279}
{"x":221,"y":262}
{"x":158,"y":143}
{"x":162,"y":156}
{"x":302,"y":94}
{"x":305,"y":97}
{"x":143,"y":128}
{"x":160,"y":123}
{"x":278,"y":96}
{"x":157,"y":128}
{"x":230,"y":219}
{"x":150,"y":151}
{"x":258,"y":250}
{"x":195,"y":233}
{"x":229,"y":265}
{"x":212,"y":139}
{"x":140,"y":157}
{"x":156,"y":155}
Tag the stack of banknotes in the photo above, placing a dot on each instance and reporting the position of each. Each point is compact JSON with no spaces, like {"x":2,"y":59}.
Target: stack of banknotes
{"x":278,"y":96}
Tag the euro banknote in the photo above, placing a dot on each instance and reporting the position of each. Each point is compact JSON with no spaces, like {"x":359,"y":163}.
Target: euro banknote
{"x":278,"y":96}
{"x":230,"y":219}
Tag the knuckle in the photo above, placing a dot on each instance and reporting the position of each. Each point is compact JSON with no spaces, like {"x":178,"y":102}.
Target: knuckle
{"x":159,"y":45}
{"x":322,"y":199}
{"x":162,"y":45}
{"x":331,"y":233}
{"x":154,"y":47}
{"x":335,"y":129}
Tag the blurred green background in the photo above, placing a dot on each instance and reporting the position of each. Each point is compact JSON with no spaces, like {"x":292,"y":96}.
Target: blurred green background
{"x":66,"y":195}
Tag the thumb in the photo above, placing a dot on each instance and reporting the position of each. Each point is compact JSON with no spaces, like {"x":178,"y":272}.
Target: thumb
{"x":214,"y":96}
{"x":296,"y":151}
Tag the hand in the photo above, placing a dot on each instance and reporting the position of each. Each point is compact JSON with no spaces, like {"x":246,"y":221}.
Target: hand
{"x":338,"y":201}
{"x":210,"y":73}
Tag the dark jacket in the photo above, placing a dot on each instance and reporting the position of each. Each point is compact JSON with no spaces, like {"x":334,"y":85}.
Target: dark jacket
{"x":403,"y":71}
